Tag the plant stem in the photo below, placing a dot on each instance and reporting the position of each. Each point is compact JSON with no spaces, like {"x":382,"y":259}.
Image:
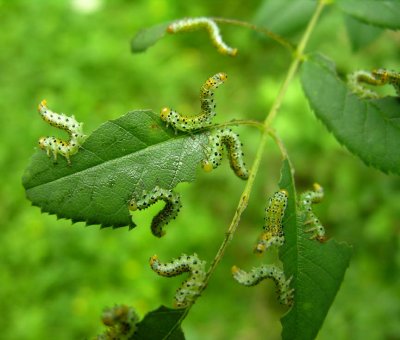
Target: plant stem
{"x":295,"y":64}
{"x":256,"y":28}
{"x":257,"y":124}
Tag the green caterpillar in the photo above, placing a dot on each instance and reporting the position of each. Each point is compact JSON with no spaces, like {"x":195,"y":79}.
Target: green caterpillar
{"x":256,"y":275}
{"x":185,"y":25}
{"x":218,"y":139}
{"x":376,"y":77}
{"x":168,"y":213}
{"x":190,"y":288}
{"x":305,"y":205}
{"x":204,"y":118}
{"x":66,"y":123}
{"x":273,"y":229}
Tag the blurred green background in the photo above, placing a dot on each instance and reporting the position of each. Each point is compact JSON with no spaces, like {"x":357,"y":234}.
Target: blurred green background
{"x":55,"y":278}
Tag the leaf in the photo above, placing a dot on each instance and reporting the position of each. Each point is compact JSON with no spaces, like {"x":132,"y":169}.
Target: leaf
{"x":368,"y":128}
{"x":360,"y":34}
{"x":120,"y":159}
{"x":286,"y":17}
{"x":162,"y":323}
{"x":317,"y":269}
{"x":147,"y":37}
{"x":378,"y":12}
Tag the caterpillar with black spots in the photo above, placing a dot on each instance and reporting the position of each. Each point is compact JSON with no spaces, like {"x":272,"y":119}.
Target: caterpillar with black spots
{"x":121,"y":322}
{"x":273,"y":234}
{"x":384,"y":76}
{"x":307,"y":199}
{"x":212,"y":28}
{"x":190,"y":288}
{"x":256,"y":275}
{"x":169,"y":212}
{"x":67,"y":123}
{"x":217,"y":140}
{"x":377,"y":77}
{"x":204,"y":118}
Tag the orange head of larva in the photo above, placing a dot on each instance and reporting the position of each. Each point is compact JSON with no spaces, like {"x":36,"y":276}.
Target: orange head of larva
{"x":42,"y":143}
{"x":381,"y":73}
{"x":259,"y":248}
{"x":317,"y":187}
{"x":235,"y":269}
{"x":165,"y":113}
{"x":180,"y":304}
{"x":42,"y":104}
{"x":222,"y":76}
{"x":132,"y":205}
{"x":171,"y":28}
{"x":153,"y":259}
{"x":321,"y":238}
{"x":285,"y":192}
{"x":207,"y":166}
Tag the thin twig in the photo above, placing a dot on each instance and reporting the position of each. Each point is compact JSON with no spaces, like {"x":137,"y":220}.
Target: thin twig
{"x":250,"y":122}
{"x":276,"y":37}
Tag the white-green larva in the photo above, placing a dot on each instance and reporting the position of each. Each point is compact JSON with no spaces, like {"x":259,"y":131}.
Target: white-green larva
{"x":384,"y":76}
{"x":169,"y":212}
{"x":218,"y":139}
{"x":191,"y":24}
{"x":305,"y":206}
{"x":121,"y":321}
{"x":67,"y":123}
{"x":204,"y":118}
{"x":190,"y":288}
{"x":273,"y":234}
{"x":376,"y":77}
{"x":263,"y":272}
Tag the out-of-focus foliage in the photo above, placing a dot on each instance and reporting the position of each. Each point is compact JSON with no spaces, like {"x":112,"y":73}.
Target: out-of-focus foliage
{"x":57,"y":278}
{"x":360,"y":34}
{"x":383,"y":13}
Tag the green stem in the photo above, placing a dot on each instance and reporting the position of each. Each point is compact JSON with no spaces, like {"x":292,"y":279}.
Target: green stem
{"x":295,"y":63}
{"x":249,"y":122}
{"x":268,"y":33}
{"x":267,"y":131}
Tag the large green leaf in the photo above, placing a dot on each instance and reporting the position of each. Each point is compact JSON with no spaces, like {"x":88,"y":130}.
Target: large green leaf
{"x":285,"y":17}
{"x":317,"y":269}
{"x":383,"y":13}
{"x":163,"y":323}
{"x":368,"y":128}
{"x":360,"y":34}
{"x":120,"y":159}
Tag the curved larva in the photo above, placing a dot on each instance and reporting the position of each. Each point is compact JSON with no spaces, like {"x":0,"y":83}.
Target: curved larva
{"x":376,"y":77}
{"x":384,"y":76}
{"x":305,"y":205}
{"x":217,"y":140}
{"x":273,"y":234}
{"x":355,"y":79}
{"x":190,"y":288}
{"x":256,"y":275}
{"x":121,"y":321}
{"x":67,"y":123}
{"x":185,"y":25}
{"x":169,"y":212}
{"x":204,"y":118}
